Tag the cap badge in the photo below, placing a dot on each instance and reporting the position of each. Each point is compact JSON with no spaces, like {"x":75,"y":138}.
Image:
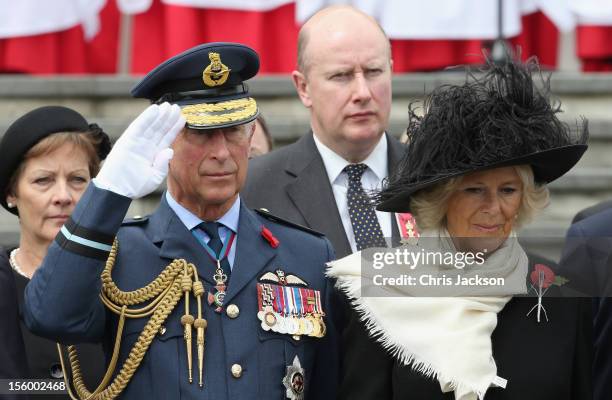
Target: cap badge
{"x":216,"y":73}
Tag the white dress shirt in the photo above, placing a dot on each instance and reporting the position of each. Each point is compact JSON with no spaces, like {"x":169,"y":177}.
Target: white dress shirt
{"x":229,"y":224}
{"x":371,"y":180}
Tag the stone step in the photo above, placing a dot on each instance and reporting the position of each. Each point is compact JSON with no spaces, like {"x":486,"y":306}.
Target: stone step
{"x":106,"y":100}
{"x":578,"y":91}
{"x":270,"y":86}
{"x":286,"y":129}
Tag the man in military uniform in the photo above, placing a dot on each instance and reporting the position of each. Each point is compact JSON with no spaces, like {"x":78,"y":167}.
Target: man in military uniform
{"x":204,"y":298}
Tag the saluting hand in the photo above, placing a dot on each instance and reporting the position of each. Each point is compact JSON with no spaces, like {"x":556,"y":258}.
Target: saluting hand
{"x":139,"y":160}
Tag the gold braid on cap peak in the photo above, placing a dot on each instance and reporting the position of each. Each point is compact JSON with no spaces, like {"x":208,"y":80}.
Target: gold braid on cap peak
{"x":204,"y":114}
{"x":164,"y":294}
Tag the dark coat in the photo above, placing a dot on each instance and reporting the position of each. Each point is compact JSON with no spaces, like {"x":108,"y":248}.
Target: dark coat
{"x":292,"y":183}
{"x":62,"y":303}
{"x":587,"y":260}
{"x":28,"y":356}
{"x":42,"y":357}
{"x":546,"y":360}
{"x":13,"y":361}
{"x":587,"y":212}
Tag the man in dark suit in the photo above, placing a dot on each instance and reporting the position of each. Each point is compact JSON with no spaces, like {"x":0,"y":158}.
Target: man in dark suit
{"x":594,"y":209}
{"x":344,"y":79}
{"x":221,"y":302}
{"x":587,"y":262}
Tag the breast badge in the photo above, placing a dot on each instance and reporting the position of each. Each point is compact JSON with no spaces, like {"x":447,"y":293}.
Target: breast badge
{"x":288,"y":306}
{"x":294,"y":380}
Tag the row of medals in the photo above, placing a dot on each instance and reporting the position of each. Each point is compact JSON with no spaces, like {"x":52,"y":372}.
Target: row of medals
{"x":309,"y":325}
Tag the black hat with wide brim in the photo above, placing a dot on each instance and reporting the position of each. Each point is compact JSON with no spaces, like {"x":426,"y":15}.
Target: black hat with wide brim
{"x":546,"y":165}
{"x":498,"y":119}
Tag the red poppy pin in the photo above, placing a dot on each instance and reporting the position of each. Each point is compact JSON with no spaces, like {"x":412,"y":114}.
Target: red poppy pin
{"x":541,"y":278}
{"x":267,"y":234}
{"x":548,"y":277}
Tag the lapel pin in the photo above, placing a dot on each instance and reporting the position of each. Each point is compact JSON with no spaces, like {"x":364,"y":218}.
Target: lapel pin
{"x":407,"y":227}
{"x":542,"y":277}
{"x":267,"y":234}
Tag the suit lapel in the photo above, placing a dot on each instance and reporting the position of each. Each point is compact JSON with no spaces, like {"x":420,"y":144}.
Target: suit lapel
{"x":312,"y":194}
{"x":395,"y":151}
{"x":177,"y":242}
{"x":252,"y":254}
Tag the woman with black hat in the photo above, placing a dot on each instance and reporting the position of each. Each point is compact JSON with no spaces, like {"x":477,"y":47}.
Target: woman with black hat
{"x":475,"y":170}
{"x":47,"y":158}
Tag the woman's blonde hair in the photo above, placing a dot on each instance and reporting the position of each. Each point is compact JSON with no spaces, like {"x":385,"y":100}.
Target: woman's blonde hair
{"x":429,"y":206}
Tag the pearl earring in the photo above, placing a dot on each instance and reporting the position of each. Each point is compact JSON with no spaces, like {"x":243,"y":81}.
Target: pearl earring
{"x":10,"y":205}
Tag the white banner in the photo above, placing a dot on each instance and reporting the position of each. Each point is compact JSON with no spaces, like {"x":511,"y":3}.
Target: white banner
{"x":35,"y":17}
{"x":304,"y":9}
{"x":449,"y":19}
{"x":140,"y":6}
{"x":559,"y":12}
{"x":592,"y":12}
{"x":134,"y":6}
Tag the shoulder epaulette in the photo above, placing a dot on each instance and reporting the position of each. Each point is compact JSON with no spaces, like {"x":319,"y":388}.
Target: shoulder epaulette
{"x":136,"y":220}
{"x":268,"y":215}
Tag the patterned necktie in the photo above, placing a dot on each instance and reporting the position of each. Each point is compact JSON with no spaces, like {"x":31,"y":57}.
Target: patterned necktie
{"x":363,"y":217}
{"x":215,"y":243}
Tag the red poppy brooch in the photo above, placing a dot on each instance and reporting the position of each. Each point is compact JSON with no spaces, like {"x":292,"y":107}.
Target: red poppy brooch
{"x":542,"y":278}
{"x":270,"y":238}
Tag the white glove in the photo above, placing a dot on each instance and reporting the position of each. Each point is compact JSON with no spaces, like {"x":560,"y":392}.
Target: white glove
{"x":138,"y":162}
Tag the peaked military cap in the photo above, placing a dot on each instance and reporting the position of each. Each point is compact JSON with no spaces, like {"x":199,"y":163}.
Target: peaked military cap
{"x":207,"y":82}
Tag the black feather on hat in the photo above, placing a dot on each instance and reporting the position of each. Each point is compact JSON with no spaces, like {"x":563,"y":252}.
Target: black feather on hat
{"x":498,"y":119}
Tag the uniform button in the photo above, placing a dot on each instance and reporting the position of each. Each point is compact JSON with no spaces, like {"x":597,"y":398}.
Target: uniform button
{"x":232,"y":311}
{"x":236,"y":370}
{"x":55,"y":371}
{"x":162,"y":330}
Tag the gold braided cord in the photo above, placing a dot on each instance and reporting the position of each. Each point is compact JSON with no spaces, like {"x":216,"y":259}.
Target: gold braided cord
{"x":166,"y":291}
{"x":200,"y":114}
{"x":217,"y":107}
{"x":157,"y":286}
{"x":76,"y":366}
{"x":135,"y":312}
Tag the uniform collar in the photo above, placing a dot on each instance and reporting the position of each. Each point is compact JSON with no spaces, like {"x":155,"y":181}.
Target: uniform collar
{"x":334,"y":163}
{"x":190,"y":220}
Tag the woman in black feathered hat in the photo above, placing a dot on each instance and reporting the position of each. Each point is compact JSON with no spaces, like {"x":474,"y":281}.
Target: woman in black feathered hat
{"x":475,"y":170}
{"x":47,"y":158}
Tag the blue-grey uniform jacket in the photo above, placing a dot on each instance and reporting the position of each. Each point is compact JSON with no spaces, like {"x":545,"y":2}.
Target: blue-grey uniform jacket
{"x":62,"y":302}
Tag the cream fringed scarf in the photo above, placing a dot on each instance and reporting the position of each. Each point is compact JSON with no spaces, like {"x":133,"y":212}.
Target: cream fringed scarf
{"x":447,"y":338}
